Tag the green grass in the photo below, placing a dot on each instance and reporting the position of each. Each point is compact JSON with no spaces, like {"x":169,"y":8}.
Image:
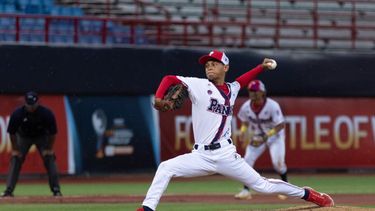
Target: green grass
{"x":84,"y":189}
{"x":338,"y":184}
{"x":330,"y":184}
{"x":327,"y":183}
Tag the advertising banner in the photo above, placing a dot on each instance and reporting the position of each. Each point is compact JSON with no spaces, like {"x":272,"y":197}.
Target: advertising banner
{"x":116,"y":134}
{"x":33,"y":162}
{"x":320,"y":132}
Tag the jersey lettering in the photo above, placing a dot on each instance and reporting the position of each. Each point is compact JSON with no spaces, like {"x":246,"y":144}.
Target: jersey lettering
{"x":221,"y":109}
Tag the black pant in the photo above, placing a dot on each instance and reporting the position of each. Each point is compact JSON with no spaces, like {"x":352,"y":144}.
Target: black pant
{"x":24,"y":144}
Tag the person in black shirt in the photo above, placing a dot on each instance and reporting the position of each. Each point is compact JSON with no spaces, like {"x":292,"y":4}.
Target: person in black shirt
{"x":32,"y":124}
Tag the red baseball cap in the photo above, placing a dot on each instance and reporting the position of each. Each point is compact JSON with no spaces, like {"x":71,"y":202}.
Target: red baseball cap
{"x":216,"y":55}
{"x":256,"y":85}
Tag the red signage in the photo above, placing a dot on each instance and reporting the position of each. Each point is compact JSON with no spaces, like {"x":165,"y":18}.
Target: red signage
{"x":320,"y":132}
{"x":33,"y":162}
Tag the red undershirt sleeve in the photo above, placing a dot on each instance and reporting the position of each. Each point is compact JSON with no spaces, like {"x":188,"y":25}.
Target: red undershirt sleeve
{"x":167,"y":81}
{"x":250,"y":75}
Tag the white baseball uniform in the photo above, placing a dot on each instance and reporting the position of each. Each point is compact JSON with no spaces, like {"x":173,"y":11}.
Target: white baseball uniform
{"x":259,"y":123}
{"x":213,"y":150}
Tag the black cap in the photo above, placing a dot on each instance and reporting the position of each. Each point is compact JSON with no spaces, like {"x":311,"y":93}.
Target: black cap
{"x":31,"y":98}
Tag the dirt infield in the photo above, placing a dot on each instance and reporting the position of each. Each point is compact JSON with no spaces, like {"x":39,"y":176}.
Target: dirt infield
{"x":340,"y":199}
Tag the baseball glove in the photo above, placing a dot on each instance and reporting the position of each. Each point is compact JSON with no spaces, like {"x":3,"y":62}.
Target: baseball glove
{"x":258,"y":140}
{"x":174,"y":99}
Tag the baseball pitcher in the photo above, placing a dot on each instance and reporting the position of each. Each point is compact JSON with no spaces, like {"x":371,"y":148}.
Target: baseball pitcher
{"x":213,"y":152}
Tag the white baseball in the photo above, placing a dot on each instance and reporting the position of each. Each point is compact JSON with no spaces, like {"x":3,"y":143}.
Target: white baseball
{"x":272,"y":64}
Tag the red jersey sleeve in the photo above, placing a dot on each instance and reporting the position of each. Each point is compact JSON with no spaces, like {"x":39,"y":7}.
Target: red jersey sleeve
{"x":250,"y":75}
{"x":165,"y":83}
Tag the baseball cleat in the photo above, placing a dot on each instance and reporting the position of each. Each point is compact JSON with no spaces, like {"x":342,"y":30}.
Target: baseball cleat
{"x":244,"y":194}
{"x":282,"y":197}
{"x":144,"y":208}
{"x":321,"y":199}
{"x":57,"y":194}
{"x":7,"y":194}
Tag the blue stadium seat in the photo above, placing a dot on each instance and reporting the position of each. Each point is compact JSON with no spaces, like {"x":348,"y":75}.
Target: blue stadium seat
{"x":90,"y":39}
{"x":62,"y":39}
{"x":8,"y":23}
{"x":37,"y":38}
{"x":22,"y":4}
{"x":26,"y":23}
{"x":9,"y":8}
{"x":36,"y":2}
{"x":47,"y":6}
{"x":32,"y":29}
{"x":76,"y":11}
{"x":47,"y":2}
{"x":25,"y":38}
{"x":64,"y":11}
{"x":118,"y":34}
{"x":62,"y":26}
{"x":7,"y":1}
{"x":85,"y":25}
{"x":91,"y":25}
{"x":40,"y":21}
{"x":55,"y":10}
{"x":9,"y":37}
{"x":33,"y":9}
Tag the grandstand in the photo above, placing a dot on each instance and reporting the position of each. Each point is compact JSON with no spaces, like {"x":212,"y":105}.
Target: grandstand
{"x":307,"y":24}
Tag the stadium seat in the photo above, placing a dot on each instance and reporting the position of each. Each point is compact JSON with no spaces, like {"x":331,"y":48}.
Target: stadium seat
{"x":9,"y":8}
{"x":90,"y":39}
{"x":47,"y":6}
{"x":55,"y":10}
{"x":22,"y":4}
{"x":33,"y":9}
{"x":76,"y":11}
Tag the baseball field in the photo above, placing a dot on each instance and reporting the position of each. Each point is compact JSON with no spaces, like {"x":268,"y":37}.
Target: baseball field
{"x":213,"y":193}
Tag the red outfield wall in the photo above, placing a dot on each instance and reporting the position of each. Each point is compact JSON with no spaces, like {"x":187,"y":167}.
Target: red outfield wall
{"x":320,"y":132}
{"x":33,"y":162}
